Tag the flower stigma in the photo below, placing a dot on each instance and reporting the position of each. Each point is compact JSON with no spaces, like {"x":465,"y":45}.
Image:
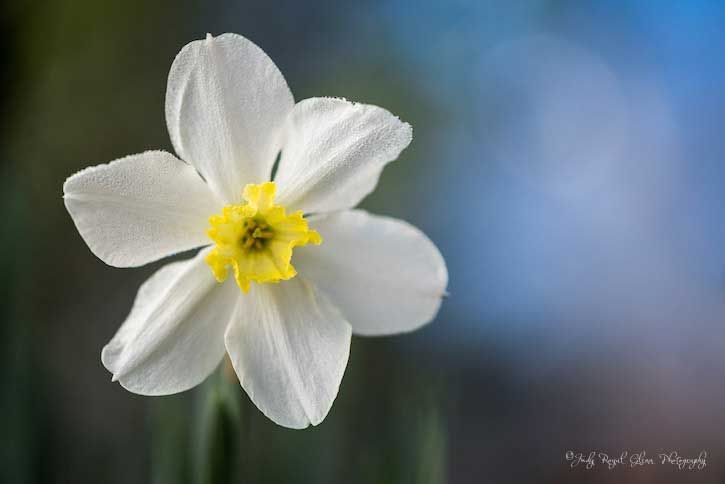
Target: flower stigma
{"x":255,"y":239}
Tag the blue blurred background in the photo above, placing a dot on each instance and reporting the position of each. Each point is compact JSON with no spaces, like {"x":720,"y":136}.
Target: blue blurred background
{"x":567,"y":160}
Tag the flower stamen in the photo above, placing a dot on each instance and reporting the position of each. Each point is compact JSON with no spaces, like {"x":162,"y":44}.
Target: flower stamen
{"x":255,"y":234}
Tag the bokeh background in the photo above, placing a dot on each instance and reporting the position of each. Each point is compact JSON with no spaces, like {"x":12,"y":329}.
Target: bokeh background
{"x":568,"y":160}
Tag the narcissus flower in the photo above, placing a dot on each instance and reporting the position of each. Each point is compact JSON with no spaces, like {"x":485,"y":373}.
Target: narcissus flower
{"x":289,"y":270}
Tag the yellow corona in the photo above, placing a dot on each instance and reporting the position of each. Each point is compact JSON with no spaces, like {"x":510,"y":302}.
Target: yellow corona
{"x":256,"y":239}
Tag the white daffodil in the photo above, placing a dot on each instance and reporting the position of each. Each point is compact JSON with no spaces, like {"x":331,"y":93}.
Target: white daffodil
{"x":285,"y":328}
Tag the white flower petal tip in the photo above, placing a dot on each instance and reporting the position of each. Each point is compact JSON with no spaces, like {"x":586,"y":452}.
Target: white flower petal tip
{"x":335,"y":151}
{"x":289,"y":347}
{"x":394,"y":284}
{"x":140,"y":208}
{"x":174,"y":336}
{"x":226,"y":106}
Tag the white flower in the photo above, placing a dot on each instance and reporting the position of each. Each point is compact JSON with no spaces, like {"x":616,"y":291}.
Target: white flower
{"x":286,"y":329}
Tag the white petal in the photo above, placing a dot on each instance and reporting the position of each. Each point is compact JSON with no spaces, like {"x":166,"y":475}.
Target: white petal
{"x":289,"y":347}
{"x":334,"y":153}
{"x":174,"y":337}
{"x":226,"y":103}
{"x":140,"y":208}
{"x":384,"y":274}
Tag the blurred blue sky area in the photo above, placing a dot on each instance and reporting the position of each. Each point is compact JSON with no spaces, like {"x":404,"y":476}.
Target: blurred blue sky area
{"x":583,"y":164}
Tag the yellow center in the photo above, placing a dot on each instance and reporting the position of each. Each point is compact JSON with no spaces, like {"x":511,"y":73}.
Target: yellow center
{"x":256,"y":239}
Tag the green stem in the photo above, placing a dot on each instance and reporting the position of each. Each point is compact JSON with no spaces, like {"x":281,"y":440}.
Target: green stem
{"x":219,"y":430}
